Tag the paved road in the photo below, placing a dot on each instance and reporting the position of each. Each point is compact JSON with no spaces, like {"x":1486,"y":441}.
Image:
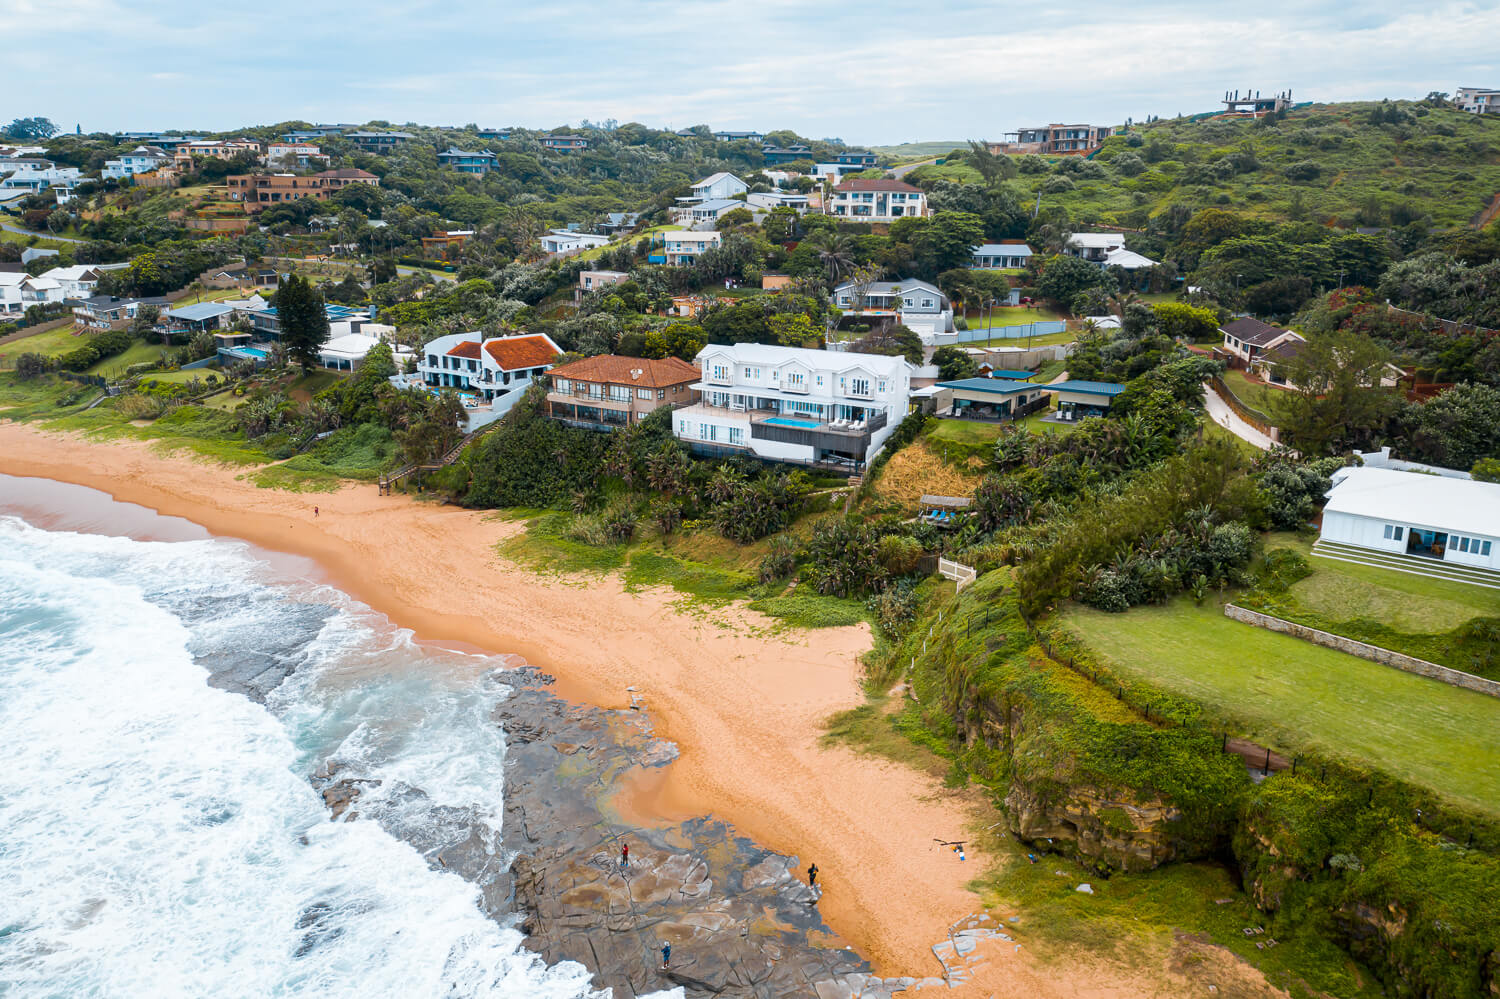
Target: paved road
{"x":1220,"y":413}
{"x":44,"y":235}
{"x":902,"y":171}
{"x":403,"y":269}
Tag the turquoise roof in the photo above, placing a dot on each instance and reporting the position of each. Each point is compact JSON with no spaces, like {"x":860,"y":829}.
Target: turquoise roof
{"x":995,"y":386}
{"x":1089,"y":388}
{"x":1012,"y":373}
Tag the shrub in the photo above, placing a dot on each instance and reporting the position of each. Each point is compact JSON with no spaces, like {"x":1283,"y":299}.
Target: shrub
{"x":1303,"y":170}
{"x":895,"y":609}
{"x":31,"y":365}
{"x":900,"y":555}
{"x":844,"y":558}
{"x":135,"y":406}
{"x":1486,"y":470}
{"x":780,"y":560}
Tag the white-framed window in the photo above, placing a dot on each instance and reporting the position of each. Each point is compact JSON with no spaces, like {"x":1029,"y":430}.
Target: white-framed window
{"x":1463,"y":545}
{"x":1484,"y":548}
{"x":859,"y":386}
{"x":721,"y":372}
{"x":561,"y":385}
{"x":795,"y":379}
{"x":737,"y":435}
{"x":926,"y":303}
{"x":682,"y":428}
{"x":643,"y":393}
{"x":882,"y":387}
{"x":1388,"y":531}
{"x":820,"y":379}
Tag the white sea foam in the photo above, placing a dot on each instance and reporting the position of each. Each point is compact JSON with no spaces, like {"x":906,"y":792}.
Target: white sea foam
{"x":158,"y":837}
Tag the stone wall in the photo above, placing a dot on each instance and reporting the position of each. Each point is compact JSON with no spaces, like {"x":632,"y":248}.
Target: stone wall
{"x":1371,"y":652}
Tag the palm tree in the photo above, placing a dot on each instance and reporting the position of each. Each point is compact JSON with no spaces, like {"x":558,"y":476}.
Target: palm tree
{"x":1120,"y":301}
{"x":835,"y":253}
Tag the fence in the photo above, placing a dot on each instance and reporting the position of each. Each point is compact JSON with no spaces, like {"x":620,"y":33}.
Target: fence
{"x":1448,"y":326}
{"x":963,"y":575}
{"x":1043,"y":328}
{"x":1260,"y":421}
{"x":1373,"y":653}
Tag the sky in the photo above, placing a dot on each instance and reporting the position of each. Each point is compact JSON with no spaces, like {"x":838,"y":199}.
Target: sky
{"x":869,"y":72}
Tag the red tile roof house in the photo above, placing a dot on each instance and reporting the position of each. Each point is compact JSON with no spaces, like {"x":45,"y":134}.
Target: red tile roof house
{"x":608,"y":391}
{"x":1248,"y":339}
{"x":494,"y":370}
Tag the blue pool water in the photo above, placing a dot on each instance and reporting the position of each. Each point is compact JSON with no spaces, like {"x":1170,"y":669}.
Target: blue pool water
{"x":254,"y":352}
{"x":786,"y":421}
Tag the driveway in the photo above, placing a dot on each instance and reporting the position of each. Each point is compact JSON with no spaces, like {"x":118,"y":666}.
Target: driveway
{"x":1220,"y":413}
{"x":901,"y":171}
{"x":40,"y":235}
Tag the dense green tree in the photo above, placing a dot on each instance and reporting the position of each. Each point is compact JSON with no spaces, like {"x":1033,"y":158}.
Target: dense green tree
{"x":1455,"y":430}
{"x":953,"y":364}
{"x":304,"y":323}
{"x":1337,"y":399}
{"x":1064,"y":277}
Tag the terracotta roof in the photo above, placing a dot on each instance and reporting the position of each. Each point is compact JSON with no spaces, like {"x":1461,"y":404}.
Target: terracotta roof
{"x":469,"y":348}
{"x":616,"y":370}
{"x":858,"y":184}
{"x":345,"y":172}
{"x":513,"y":353}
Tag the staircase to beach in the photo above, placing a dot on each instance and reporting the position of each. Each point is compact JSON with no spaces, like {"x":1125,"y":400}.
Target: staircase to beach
{"x":1412,"y":564}
{"x":388,"y":480}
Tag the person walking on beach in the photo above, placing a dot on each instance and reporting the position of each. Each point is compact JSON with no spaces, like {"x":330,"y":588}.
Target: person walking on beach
{"x":315,"y":513}
{"x":666,"y":955}
{"x":624,"y":854}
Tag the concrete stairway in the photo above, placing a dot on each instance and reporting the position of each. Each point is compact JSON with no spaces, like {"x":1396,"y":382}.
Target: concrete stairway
{"x":1412,"y":564}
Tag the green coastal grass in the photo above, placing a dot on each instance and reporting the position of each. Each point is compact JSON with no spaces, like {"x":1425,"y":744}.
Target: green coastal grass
{"x":1296,"y":695}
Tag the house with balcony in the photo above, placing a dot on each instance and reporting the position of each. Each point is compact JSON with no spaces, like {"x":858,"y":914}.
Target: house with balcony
{"x":78,"y":281}
{"x":379,"y":142}
{"x":813,"y":407}
{"x":1001,"y":257}
{"x":19,"y":291}
{"x":28,"y":175}
{"x":777,"y":199}
{"x":225,"y":149}
{"x":717,"y":186}
{"x":259,"y":191}
{"x":683,"y":248}
{"x":733,"y":136}
{"x":1107,"y":249}
{"x":776,"y":155}
{"x":855,"y":159}
{"x":288,"y":155}
{"x":568,"y":241}
{"x":465,"y":161}
{"x":592,"y":281}
{"x":100,"y":313}
{"x":919,"y":306}
{"x":1477,"y":100}
{"x":564,"y":143}
{"x":608,"y":392}
{"x":863,"y":200}
{"x":1052,"y":140}
{"x":704,"y":213}
{"x":490,"y":368}
{"x":141,"y":159}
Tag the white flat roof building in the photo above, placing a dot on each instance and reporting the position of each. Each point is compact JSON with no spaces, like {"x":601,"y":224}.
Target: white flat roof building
{"x":1426,"y":517}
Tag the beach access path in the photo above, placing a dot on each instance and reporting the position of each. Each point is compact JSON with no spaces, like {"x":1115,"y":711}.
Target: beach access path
{"x":745,"y":701}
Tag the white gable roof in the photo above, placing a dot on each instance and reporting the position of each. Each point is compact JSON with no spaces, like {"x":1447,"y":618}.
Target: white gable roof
{"x":714,"y":178}
{"x":1432,"y":501}
{"x":73,"y":273}
{"x":771,"y":356}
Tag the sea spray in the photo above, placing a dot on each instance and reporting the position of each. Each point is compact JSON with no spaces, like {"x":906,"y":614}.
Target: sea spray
{"x":160,"y":835}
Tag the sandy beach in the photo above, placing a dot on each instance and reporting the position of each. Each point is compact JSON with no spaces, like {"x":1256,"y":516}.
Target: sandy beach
{"x":746,"y":705}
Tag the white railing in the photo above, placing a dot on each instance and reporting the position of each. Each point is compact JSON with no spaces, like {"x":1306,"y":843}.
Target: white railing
{"x":963,"y":575}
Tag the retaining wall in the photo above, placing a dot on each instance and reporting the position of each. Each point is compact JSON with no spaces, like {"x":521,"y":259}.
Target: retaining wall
{"x":1373,"y":653}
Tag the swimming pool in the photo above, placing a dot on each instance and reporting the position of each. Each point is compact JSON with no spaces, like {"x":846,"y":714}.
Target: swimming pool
{"x":787,"y":421}
{"x":252,"y":351}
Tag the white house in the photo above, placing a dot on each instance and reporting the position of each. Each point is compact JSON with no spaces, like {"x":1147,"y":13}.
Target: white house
{"x":1107,"y":249}
{"x":141,"y":159}
{"x":20,"y":291}
{"x":704,"y":213}
{"x":792,"y":404}
{"x":1477,"y":100}
{"x":1001,"y":256}
{"x":1420,"y":517}
{"x":1271,"y":364}
{"x":564,"y":241}
{"x":866,"y":200}
{"x":344,"y":353}
{"x":684,"y":248}
{"x":490,"y":367}
{"x":920,"y":306}
{"x":286,"y":155}
{"x":777,"y":199}
{"x":717,"y":186}
{"x":78,"y":281}
{"x":1249,"y":339}
{"x":33,"y":178}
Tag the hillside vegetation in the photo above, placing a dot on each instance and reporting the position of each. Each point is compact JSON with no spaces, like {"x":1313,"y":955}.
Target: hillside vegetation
{"x":1355,"y":164}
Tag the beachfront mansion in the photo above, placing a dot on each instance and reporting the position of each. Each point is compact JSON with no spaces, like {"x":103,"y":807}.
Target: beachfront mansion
{"x":791,"y":404}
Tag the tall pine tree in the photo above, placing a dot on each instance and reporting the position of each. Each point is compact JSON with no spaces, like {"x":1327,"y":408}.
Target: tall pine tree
{"x":304,"y":323}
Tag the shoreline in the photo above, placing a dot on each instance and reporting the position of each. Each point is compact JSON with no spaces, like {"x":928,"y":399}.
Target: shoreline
{"x":746,"y":709}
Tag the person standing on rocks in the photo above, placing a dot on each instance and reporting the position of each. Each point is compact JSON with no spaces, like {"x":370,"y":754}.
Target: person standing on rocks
{"x":812,"y":882}
{"x":666,"y":955}
{"x":624,"y":854}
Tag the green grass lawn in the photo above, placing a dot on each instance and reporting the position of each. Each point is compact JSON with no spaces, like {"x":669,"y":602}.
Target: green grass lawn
{"x":1251,"y":393}
{"x":1212,"y":430}
{"x":49,"y":344}
{"x":962,"y":432}
{"x":138,"y":353}
{"x":1004,"y":315}
{"x":595,"y":252}
{"x":1293,"y":694}
{"x":1343,"y":591}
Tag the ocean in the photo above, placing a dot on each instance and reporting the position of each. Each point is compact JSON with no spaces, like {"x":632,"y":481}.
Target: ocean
{"x":164,"y":706}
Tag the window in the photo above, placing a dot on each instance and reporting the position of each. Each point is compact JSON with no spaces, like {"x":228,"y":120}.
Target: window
{"x":562,"y":385}
{"x":1398,"y":534}
{"x":737,"y":435}
{"x":926,"y":303}
{"x":682,"y":428}
{"x":1463,"y":544}
{"x":662,"y":393}
{"x":643,"y":393}
{"x":721,"y":372}
{"x":859,"y":386}
{"x":1388,"y":531}
{"x":1484,"y":548}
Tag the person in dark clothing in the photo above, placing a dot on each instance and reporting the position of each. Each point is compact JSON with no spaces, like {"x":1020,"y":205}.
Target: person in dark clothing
{"x":666,"y":955}
{"x":812,"y":875}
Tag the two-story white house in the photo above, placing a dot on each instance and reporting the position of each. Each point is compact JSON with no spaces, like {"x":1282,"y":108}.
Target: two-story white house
{"x":1250,"y":339}
{"x":795,"y":200}
{"x":488,"y":366}
{"x":19,"y":291}
{"x":864,"y":200}
{"x":567,"y":241}
{"x":683,"y":248}
{"x":796,"y":405}
{"x":78,"y":281}
{"x":720,"y":185}
{"x":919,"y":306}
{"x":704,"y":214}
{"x":1477,"y":100}
{"x":141,"y":159}
{"x":1107,"y":249}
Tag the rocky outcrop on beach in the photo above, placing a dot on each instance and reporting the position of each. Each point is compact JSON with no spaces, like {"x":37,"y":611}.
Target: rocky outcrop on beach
{"x":740,"y":920}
